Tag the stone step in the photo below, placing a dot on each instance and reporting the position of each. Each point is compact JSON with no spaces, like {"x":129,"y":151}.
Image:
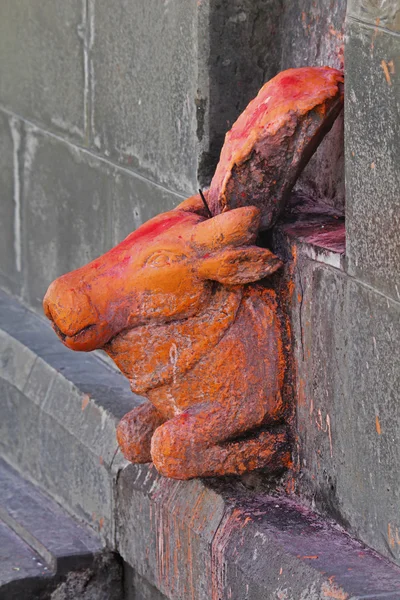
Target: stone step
{"x":23,"y":573}
{"x":39,"y":542}
{"x":62,"y":543}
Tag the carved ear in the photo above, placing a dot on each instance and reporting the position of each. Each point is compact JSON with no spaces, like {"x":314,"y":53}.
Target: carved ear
{"x":235,"y":227}
{"x":234,"y":266}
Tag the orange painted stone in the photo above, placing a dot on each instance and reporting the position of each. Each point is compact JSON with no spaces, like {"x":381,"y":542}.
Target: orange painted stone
{"x":177,"y":307}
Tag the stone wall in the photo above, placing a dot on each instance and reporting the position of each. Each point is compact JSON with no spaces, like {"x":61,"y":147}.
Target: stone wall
{"x":347,"y":319}
{"x":110,"y":113}
{"x":113,"y":112}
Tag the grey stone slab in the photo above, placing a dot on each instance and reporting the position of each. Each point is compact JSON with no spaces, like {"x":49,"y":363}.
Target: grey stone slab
{"x":273,"y":548}
{"x":144,"y":69}
{"x":42,"y":74}
{"x":61,"y":542}
{"x":67,"y":212}
{"x":59,"y":413}
{"x":370,"y":485}
{"x":176,"y":522}
{"x":220,"y":540}
{"x":138,"y":588}
{"x":312,"y":34}
{"x":348,"y":365}
{"x":23,"y":574}
{"x":373,"y":156}
{"x":10,"y":204}
{"x":62,"y":464}
{"x":381,"y":13}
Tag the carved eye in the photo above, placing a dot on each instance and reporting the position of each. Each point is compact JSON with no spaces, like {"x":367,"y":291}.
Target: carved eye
{"x":159,"y":260}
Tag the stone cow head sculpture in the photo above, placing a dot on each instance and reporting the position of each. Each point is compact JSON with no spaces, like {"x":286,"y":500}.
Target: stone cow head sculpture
{"x":169,"y":305}
{"x":176,"y":306}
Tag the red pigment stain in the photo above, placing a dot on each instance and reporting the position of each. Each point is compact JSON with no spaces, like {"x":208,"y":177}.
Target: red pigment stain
{"x":156,"y":226}
{"x":146,"y":233}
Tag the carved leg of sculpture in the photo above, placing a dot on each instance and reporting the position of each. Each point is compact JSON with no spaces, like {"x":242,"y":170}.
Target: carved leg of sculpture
{"x":195,"y":444}
{"x":135,"y":430}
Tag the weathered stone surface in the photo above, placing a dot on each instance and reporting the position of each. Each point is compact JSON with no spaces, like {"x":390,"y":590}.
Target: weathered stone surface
{"x":23,"y":575}
{"x":74,"y":206}
{"x":56,"y":459}
{"x":42,"y":74}
{"x":348,"y":366}
{"x":10,"y":205}
{"x":138,"y":588}
{"x":166,"y":117}
{"x":186,"y":539}
{"x":52,"y":428}
{"x":241,"y":52}
{"x":135,"y":201}
{"x":176,"y":523}
{"x":371,"y":484}
{"x":312,"y":33}
{"x":61,"y":542}
{"x":373,"y":156}
{"x":272,"y":548}
{"x":254,"y":546}
{"x":144,"y":64}
{"x":381,"y":13}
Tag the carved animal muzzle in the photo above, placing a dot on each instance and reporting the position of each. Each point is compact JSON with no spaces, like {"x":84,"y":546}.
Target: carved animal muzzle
{"x":161,"y":272}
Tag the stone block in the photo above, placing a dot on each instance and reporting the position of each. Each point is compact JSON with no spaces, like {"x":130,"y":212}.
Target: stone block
{"x":348,"y":366}
{"x":373,"y":155}
{"x":138,"y":588}
{"x":56,"y":459}
{"x":42,"y":75}
{"x":268,"y":548}
{"x":176,"y":522}
{"x":170,"y":79}
{"x":144,"y":68}
{"x":10,"y":204}
{"x":370,"y":482}
{"x":312,"y":33}
{"x":76,"y":207}
{"x":379,"y":14}
{"x":60,"y":431}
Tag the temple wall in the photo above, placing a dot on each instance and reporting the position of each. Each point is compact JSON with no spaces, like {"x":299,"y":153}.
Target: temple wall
{"x":113,"y":112}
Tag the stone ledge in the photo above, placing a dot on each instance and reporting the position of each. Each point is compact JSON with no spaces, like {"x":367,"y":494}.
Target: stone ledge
{"x":59,"y":412}
{"x":322,"y":239}
{"x":198,"y":539}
